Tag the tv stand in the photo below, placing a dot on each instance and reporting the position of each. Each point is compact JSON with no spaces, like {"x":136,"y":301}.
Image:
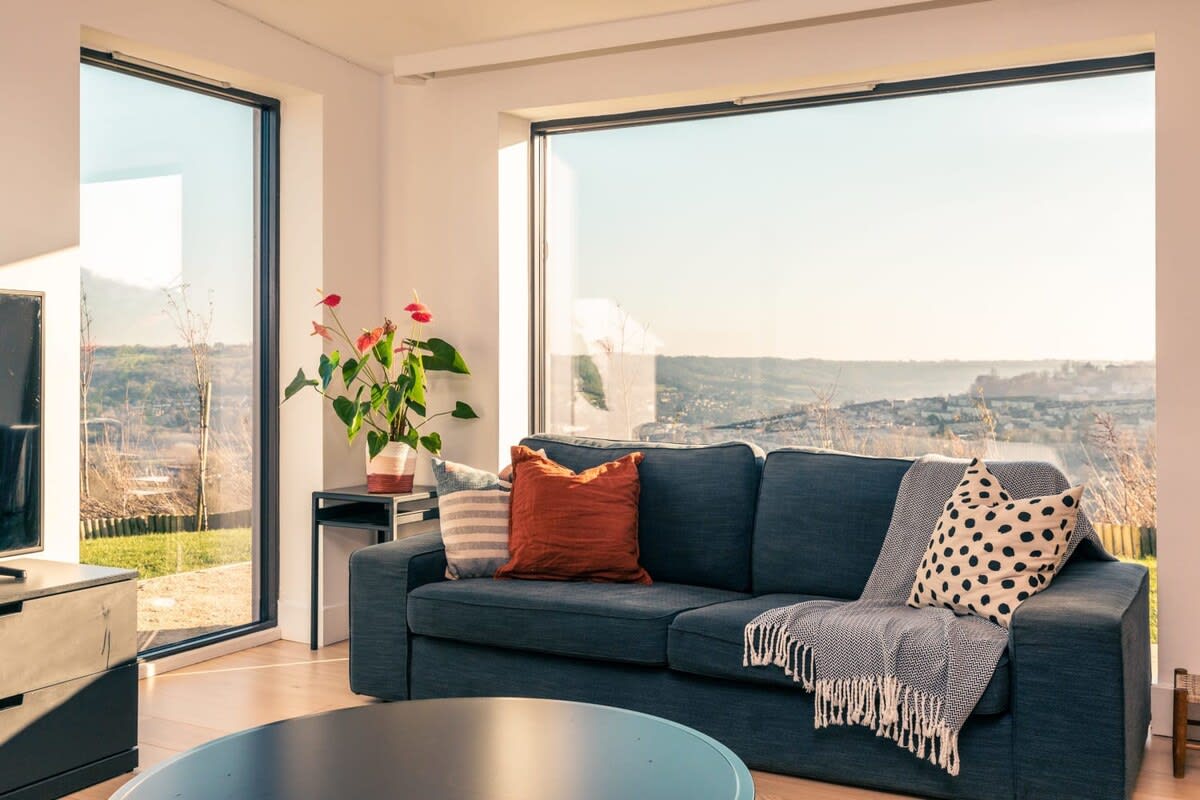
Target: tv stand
{"x":12,"y":572}
{"x":68,"y":678}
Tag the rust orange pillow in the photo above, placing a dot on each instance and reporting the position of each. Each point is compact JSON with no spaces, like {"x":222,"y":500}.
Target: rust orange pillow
{"x":567,"y":526}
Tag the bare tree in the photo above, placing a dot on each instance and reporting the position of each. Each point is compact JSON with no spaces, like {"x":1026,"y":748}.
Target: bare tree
{"x":195,"y":328}
{"x":87,"y":366}
{"x":1124,"y":488}
{"x":618,"y":353}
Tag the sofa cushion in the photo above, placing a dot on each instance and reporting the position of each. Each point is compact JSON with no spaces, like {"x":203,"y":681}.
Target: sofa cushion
{"x":615,"y":622}
{"x":708,"y":641}
{"x":821,"y":521}
{"x":696,"y":511}
{"x":568,"y":525}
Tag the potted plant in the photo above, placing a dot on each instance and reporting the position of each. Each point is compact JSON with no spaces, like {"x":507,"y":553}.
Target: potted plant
{"x":384,"y":391}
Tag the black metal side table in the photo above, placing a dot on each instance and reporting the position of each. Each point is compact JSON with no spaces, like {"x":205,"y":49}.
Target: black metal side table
{"x":353,"y":507}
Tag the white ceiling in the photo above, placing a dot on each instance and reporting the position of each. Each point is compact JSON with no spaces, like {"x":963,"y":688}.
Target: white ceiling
{"x":371,"y":32}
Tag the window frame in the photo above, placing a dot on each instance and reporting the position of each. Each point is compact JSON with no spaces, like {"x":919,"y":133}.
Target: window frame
{"x":265,"y":546}
{"x":540,"y":133}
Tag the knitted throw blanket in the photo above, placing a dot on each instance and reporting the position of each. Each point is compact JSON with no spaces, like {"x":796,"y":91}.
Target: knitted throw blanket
{"x":912,"y":675}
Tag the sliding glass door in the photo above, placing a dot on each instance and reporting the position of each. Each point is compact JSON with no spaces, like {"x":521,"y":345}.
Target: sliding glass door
{"x":177,"y":391}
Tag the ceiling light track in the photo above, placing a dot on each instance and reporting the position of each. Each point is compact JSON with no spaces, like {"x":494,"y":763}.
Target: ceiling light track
{"x":125,"y":58}
{"x":803,"y":94}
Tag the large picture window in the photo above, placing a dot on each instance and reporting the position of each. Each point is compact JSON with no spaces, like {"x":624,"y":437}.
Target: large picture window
{"x":913,"y":270}
{"x":177,"y":342}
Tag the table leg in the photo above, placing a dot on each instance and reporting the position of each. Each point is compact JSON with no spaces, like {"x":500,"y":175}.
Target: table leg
{"x":316,"y":575}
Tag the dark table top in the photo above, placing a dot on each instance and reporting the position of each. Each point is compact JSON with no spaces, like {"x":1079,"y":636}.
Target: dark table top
{"x":456,"y":749}
{"x":419,"y":492}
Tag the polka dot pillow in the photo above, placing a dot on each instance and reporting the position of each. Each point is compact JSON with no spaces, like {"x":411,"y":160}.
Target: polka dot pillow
{"x":989,"y":553}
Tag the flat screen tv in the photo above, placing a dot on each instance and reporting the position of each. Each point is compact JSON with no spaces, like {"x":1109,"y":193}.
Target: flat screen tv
{"x":20,"y":422}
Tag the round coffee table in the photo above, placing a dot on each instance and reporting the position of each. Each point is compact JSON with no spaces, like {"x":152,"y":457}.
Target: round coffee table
{"x":455,"y":749}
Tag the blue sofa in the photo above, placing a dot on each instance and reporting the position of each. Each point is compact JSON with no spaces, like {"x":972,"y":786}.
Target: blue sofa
{"x":727,"y":534}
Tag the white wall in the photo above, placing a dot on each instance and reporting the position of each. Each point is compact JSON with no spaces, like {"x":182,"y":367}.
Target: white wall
{"x":330,"y":221}
{"x":446,"y":142}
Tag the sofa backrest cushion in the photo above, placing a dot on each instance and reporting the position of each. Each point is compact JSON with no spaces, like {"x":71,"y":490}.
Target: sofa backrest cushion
{"x":821,"y":521}
{"x":696,"y":511}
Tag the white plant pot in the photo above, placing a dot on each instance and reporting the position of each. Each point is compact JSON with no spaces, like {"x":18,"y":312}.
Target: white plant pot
{"x":392,"y":471}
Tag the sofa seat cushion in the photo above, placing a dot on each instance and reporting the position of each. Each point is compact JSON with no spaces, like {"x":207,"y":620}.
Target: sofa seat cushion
{"x":612,"y":622}
{"x":708,"y":641}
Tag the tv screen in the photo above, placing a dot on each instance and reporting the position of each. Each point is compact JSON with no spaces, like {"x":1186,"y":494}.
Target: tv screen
{"x":20,"y":422}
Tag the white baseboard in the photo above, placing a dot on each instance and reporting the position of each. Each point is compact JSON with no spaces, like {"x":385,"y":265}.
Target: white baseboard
{"x":1162,"y":705}
{"x":293,"y":620}
{"x":148,"y":669}
{"x":335,"y":624}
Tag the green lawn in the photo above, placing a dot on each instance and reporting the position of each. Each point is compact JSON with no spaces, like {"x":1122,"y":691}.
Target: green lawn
{"x":1152,"y":564}
{"x":156,"y":554}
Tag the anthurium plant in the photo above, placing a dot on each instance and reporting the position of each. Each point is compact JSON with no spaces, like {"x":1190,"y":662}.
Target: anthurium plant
{"x":380,"y":384}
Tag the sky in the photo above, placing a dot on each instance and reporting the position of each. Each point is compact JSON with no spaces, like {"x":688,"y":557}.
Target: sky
{"x":1000,"y":224}
{"x":167,"y":199}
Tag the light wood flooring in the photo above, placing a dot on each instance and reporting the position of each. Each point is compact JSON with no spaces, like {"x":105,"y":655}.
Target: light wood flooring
{"x":182,"y":709}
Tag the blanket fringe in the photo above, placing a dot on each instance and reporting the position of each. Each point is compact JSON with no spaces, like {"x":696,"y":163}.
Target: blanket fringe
{"x":772,"y":646}
{"x":910,"y":718}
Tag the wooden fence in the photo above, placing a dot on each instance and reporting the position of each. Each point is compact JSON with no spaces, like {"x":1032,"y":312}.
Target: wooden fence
{"x":1128,"y":541}
{"x":158,"y":523}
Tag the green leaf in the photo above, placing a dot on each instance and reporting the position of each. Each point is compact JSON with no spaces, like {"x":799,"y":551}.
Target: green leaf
{"x":414,"y":367}
{"x":297,"y":384}
{"x":350,"y":370}
{"x":376,"y":441}
{"x":432,"y":443}
{"x":356,"y":421}
{"x":328,"y":364}
{"x":345,"y":408}
{"x":395,"y":399}
{"x":378,"y":396}
{"x":410,"y":437}
{"x":383,"y":350}
{"x":463,"y":411}
{"x":444,"y":357}
{"x":417,"y":407}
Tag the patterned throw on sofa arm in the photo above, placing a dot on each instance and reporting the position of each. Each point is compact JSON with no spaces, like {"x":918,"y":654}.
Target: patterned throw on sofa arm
{"x":381,"y":578}
{"x":1080,"y":655}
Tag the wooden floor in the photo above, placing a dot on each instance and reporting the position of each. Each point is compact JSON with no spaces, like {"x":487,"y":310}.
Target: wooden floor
{"x":188,"y":707}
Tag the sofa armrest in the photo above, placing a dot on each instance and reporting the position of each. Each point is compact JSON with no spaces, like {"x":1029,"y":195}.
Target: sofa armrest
{"x":1081,"y":682}
{"x":381,"y":576}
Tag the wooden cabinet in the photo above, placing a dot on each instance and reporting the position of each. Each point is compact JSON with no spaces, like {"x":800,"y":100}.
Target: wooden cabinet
{"x":68,"y":678}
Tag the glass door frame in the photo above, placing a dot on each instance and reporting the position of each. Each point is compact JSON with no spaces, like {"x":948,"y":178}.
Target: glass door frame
{"x":265,"y":519}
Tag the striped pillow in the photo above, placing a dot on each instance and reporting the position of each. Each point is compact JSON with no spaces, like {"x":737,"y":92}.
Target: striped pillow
{"x":473,"y":509}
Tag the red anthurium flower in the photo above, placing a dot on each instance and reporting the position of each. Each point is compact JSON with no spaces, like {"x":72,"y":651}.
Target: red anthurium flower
{"x":368,"y":339}
{"x":321,"y":330}
{"x":420,"y":312}
{"x":331,"y":300}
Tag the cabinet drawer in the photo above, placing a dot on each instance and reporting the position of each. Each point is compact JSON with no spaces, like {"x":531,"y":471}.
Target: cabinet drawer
{"x":69,"y":725}
{"x":64,"y":636}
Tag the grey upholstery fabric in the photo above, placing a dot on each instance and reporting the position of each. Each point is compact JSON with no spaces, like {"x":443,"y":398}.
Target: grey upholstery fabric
{"x":381,"y":578}
{"x":1079,"y":662}
{"x":612,"y":621}
{"x":696,"y":511}
{"x":709,"y":641}
{"x":756,"y":721}
{"x":1081,"y":667}
{"x":821,"y":521}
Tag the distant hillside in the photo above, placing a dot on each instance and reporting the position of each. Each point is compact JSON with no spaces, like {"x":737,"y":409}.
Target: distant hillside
{"x":157,"y":385}
{"x":705,"y":390}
